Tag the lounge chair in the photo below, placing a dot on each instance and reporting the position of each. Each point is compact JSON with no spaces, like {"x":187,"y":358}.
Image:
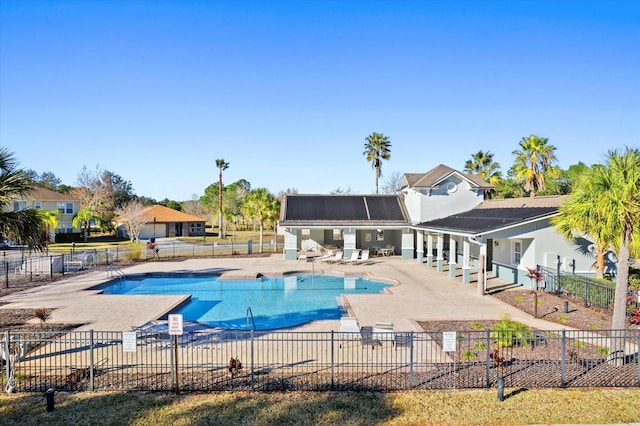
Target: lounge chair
{"x":355,"y":256}
{"x":349,"y":325}
{"x":383,"y":329}
{"x":335,"y":258}
{"x":364,"y":258}
{"x":368,"y":338}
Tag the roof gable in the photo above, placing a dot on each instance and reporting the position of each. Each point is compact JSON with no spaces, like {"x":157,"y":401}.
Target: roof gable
{"x":42,"y":194}
{"x":438,"y":174}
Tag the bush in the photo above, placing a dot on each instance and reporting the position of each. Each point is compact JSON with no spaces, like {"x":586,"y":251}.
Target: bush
{"x":135,"y":252}
{"x":42,"y":314}
{"x":507,"y":333}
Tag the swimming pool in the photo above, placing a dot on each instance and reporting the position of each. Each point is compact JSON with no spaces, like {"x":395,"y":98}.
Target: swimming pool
{"x":275,"y":302}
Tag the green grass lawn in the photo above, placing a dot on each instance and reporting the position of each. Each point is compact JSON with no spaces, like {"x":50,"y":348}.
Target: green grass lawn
{"x":473,"y":407}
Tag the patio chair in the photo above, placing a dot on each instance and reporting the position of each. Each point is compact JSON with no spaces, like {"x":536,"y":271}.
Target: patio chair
{"x":383,"y":329}
{"x":367,"y":337}
{"x":364,"y":258}
{"x":355,"y":256}
{"x":349,"y":330}
{"x":335,"y":258}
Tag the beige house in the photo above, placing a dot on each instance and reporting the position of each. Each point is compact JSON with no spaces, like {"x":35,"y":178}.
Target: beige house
{"x":161,"y":221}
{"x":65,"y":206}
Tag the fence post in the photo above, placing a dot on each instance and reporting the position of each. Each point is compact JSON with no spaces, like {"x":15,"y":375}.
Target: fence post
{"x":252,"y":366}
{"x":488,"y":358}
{"x":563,"y":357}
{"x":410,"y":360}
{"x":91,"y":360}
{"x":586,"y":292}
{"x":62,"y":264}
{"x":332,"y":359}
{"x":638,"y":355}
{"x":6,"y":274}
{"x":6,"y":355}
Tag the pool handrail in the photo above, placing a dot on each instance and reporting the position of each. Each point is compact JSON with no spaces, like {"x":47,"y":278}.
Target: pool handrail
{"x":250,"y":314}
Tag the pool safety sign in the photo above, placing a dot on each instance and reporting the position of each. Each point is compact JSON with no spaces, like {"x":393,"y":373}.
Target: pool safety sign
{"x":449,"y":341}
{"x":175,"y":325}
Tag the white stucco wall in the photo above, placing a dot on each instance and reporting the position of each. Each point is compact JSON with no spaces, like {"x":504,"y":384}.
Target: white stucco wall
{"x":442,"y":201}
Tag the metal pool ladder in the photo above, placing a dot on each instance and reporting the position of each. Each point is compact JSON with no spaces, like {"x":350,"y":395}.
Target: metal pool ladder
{"x":113,"y":271}
{"x":250,"y":315}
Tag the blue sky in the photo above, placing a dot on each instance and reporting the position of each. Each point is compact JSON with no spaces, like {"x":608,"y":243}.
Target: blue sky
{"x":287,"y":91}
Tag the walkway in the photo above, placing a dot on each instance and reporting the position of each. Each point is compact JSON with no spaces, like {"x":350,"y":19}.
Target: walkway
{"x":421,"y":294}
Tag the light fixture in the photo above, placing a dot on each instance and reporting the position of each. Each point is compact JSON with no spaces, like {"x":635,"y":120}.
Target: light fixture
{"x":495,"y":243}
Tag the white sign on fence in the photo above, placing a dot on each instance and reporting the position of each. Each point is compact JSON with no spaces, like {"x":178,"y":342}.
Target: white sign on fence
{"x":129,"y":341}
{"x":175,"y":324}
{"x":449,"y":341}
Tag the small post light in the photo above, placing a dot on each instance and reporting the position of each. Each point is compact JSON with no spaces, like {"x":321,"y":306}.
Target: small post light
{"x":49,"y":395}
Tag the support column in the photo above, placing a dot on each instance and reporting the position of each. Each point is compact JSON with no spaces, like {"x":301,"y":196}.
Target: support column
{"x":452,"y":257}
{"x":430,"y":250}
{"x":420,"y":246}
{"x":407,"y":243}
{"x":440,"y":258}
{"x":466,"y":252}
{"x":482,"y":269}
{"x":290,"y":244}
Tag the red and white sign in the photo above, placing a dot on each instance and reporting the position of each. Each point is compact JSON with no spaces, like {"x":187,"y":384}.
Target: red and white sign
{"x":175,"y":324}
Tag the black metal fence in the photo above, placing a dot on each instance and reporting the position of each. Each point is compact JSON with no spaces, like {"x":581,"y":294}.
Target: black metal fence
{"x":317,"y":361}
{"x":590,"y":292}
{"x":20,"y":266}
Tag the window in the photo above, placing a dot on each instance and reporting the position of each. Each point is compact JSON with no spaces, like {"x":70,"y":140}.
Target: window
{"x":65,"y":228}
{"x":195,"y":228}
{"x":37,"y":205}
{"x":517,"y":252}
{"x":18,"y":206}
{"x":379,"y":235}
{"x":306,"y":234}
{"x":65,"y":208}
{"x":337,"y":234}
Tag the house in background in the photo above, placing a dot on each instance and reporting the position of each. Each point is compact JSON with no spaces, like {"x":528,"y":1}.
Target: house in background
{"x":64,"y":206}
{"x":161,"y":221}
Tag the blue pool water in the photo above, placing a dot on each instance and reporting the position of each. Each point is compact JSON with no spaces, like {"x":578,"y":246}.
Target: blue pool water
{"x":277,"y":302}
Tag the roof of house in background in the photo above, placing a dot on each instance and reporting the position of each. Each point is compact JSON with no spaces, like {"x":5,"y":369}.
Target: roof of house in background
{"x":494,"y":215}
{"x":439,"y":173}
{"x":302,"y":210}
{"x":164,"y":214}
{"x":42,"y":194}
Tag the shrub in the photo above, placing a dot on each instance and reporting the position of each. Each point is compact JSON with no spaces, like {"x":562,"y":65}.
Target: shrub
{"x":479,"y":346}
{"x":135,"y":252}
{"x":635,"y":317}
{"x":563,"y":319}
{"x":477,"y":326}
{"x":520,"y":299}
{"x":507,"y":333}
{"x":468,"y":355}
{"x":603,"y":351}
{"x":42,"y":314}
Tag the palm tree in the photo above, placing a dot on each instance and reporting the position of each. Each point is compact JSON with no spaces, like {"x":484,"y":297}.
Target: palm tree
{"x":377,"y":149}
{"x":83,"y":220}
{"x":221,"y":165}
{"x":534,"y":158}
{"x":24,"y":226}
{"x":261,"y":205}
{"x":578,"y":217}
{"x":50,"y":220}
{"x":482,"y":164}
{"x":618,"y":188}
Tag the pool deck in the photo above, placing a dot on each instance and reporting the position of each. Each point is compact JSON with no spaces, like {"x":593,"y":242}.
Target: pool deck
{"x":420,"y":293}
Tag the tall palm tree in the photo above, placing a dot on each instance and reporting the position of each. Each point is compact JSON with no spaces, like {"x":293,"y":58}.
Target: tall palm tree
{"x":377,"y":149}
{"x":618,"y":201}
{"x":24,"y":226}
{"x":221,"y":165}
{"x":578,"y":217}
{"x":483,"y":165}
{"x":534,"y":158}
